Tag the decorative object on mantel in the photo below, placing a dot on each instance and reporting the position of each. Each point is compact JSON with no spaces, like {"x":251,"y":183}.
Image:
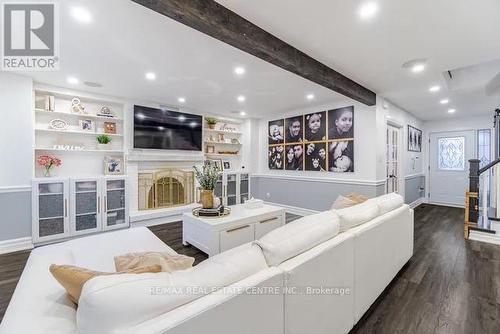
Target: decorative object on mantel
{"x":50,"y":103}
{"x":103,"y":142}
{"x":86,"y":125}
{"x":105,"y":112}
{"x":220,"y":211}
{"x":113,"y":166}
{"x":77,"y":106}
{"x":211,"y":121}
{"x":207,"y":178}
{"x":48,"y":162}
{"x":110,"y":127}
{"x":58,"y":124}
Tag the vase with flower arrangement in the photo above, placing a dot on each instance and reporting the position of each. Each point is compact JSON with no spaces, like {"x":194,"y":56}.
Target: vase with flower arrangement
{"x":48,"y":163}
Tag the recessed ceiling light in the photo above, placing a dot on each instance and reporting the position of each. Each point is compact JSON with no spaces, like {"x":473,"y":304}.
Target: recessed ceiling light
{"x":444,"y":101}
{"x":239,"y":70}
{"x":368,"y":10}
{"x":150,"y":76}
{"x":434,"y":89}
{"x":310,"y":96}
{"x":451,"y":111}
{"x":242,"y":113}
{"x":417,"y":68}
{"x":241,"y":98}
{"x":72,"y":80}
{"x":181,"y":99}
{"x":81,"y":14}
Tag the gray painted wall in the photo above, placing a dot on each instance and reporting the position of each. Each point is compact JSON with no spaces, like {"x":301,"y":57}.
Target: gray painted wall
{"x":15,"y":219}
{"x":306,"y":194}
{"x":414,"y":188}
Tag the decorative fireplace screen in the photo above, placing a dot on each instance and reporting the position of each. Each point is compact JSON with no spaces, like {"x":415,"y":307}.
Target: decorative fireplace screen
{"x":165,"y":188}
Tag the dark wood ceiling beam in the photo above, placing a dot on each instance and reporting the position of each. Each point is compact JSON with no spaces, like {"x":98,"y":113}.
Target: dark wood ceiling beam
{"x":213,"y":19}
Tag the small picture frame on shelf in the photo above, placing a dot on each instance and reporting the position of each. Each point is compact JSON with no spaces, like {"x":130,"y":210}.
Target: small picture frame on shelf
{"x":220,"y":138}
{"x":219,"y":164}
{"x":226,"y":164}
{"x":87,"y":125}
{"x":110,"y":127}
{"x":210,"y":149}
{"x":113,"y":166}
{"x":235,"y":141}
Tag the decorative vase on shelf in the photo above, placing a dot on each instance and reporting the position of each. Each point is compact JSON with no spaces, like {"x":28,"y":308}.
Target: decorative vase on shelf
{"x":102,"y":146}
{"x":207,"y":199}
{"x":211,"y":126}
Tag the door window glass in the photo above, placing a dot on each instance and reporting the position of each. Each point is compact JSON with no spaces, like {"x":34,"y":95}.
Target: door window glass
{"x":451,"y":153}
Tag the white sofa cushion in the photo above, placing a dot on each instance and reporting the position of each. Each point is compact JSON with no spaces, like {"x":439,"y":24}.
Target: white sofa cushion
{"x":387,"y":203}
{"x":113,"y":303}
{"x":357,"y":215}
{"x":298,"y":236}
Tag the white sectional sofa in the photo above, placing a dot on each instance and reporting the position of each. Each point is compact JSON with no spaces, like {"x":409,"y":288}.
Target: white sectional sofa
{"x":319,"y":274}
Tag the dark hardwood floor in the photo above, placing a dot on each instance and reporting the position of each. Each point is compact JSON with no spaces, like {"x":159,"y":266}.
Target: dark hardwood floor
{"x":449,"y":286}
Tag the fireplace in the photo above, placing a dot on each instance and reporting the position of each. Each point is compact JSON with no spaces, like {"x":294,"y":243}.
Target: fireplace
{"x":165,"y":188}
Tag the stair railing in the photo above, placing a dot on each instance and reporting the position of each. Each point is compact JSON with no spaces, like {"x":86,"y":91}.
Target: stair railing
{"x":474,"y":173}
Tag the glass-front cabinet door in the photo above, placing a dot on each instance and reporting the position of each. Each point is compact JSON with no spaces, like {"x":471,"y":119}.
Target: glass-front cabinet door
{"x":50,"y":209}
{"x":231,"y":189}
{"x":115,"y":214}
{"x":244,"y":188}
{"x":86,"y":206}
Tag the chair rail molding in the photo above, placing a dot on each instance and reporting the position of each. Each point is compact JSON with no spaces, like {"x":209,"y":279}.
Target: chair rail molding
{"x":15,"y":189}
{"x":322,"y":179}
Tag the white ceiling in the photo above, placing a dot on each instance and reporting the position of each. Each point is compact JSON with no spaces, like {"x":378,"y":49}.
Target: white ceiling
{"x":125,"y":40}
{"x":451,"y":34}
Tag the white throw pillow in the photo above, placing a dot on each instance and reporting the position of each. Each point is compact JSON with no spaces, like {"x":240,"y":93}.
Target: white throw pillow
{"x":389,"y":202}
{"x":110,"y":303}
{"x":298,"y":236}
{"x":357,"y":215}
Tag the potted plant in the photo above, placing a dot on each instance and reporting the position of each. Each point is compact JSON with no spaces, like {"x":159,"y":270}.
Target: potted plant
{"x":207,"y":178}
{"x":48,"y":162}
{"x":103,"y":141}
{"x":211,"y":122}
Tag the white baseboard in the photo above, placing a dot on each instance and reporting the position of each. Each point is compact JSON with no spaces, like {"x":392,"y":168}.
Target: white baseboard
{"x":294,"y":209}
{"x":416,"y":203}
{"x":484,"y":237}
{"x":14,"y":245}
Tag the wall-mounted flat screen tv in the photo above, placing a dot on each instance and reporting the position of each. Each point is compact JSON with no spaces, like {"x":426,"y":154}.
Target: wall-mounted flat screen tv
{"x":166,"y":129}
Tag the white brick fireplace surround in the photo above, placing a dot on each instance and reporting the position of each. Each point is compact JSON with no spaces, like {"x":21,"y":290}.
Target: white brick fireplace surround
{"x":138,"y":161}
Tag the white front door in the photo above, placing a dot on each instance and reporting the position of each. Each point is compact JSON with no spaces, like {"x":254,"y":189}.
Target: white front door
{"x":449,"y":166}
{"x":392,"y":152}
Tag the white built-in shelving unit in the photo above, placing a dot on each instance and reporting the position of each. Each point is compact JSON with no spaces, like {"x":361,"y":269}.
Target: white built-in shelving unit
{"x":77,"y":148}
{"x":225,"y":137}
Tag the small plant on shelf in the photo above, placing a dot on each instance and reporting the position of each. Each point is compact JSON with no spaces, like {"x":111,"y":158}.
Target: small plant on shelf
{"x":103,"y":141}
{"x":211,"y":121}
{"x":48,"y":162}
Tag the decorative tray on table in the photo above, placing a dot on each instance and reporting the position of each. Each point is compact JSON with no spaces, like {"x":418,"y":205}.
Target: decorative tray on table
{"x":221,"y":211}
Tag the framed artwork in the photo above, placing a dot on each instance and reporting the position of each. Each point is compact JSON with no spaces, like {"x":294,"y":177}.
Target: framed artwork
{"x":341,"y":156}
{"x":275,"y":132}
{"x":341,"y":123}
{"x":210,"y":149}
{"x":294,"y":156}
{"x":315,"y":157}
{"x":110,"y":127}
{"x":275,"y":157}
{"x":315,"y":126}
{"x":414,"y":139}
{"x":226,"y":164}
{"x":113,"y":166}
{"x":86,"y":125}
{"x":294,"y":129}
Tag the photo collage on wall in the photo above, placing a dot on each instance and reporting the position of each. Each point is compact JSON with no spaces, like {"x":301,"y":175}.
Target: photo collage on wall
{"x":320,"y":141}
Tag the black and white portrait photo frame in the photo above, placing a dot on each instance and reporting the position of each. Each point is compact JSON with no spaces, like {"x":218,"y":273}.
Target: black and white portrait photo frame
{"x":319,"y":141}
{"x":86,"y":125}
{"x":414,"y":139}
{"x":113,"y":166}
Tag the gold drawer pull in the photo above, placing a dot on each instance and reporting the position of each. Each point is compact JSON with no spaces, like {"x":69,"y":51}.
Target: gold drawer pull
{"x":237,"y":228}
{"x":269,"y":220}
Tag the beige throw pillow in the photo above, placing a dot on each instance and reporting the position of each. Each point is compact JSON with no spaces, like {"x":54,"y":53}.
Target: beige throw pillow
{"x":343,"y":202}
{"x":167,"y":262}
{"x":73,"y":278}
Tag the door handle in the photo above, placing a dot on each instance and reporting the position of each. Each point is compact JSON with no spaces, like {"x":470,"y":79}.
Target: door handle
{"x":237,"y":228}
{"x":268,"y":220}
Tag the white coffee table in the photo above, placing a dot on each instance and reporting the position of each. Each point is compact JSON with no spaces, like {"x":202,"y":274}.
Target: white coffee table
{"x":215,"y":235}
